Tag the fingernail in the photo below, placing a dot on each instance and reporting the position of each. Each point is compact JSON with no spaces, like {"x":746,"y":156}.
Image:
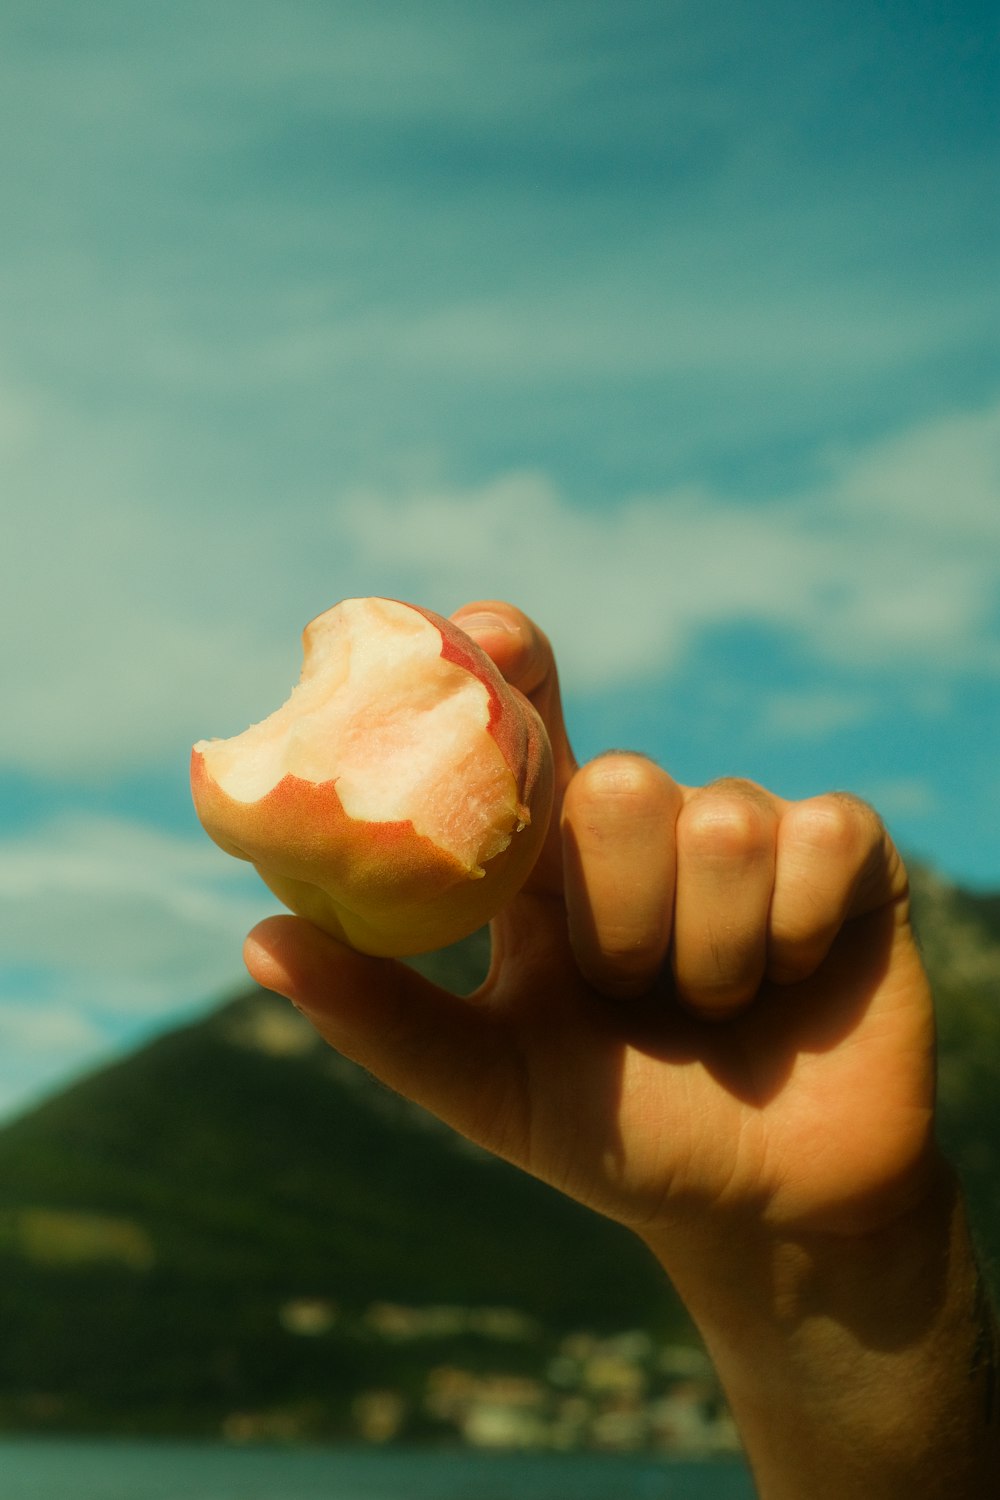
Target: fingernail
{"x":482,"y":621}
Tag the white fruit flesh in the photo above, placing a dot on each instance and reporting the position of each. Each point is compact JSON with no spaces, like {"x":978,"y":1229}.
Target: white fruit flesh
{"x":403,"y":732}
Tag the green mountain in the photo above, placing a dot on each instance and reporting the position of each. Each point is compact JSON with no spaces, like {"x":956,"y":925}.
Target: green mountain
{"x":960,"y":936}
{"x":235,"y":1220}
{"x":167,"y":1224}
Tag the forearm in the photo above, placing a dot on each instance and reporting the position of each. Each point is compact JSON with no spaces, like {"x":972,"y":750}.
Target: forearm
{"x":863,"y":1367}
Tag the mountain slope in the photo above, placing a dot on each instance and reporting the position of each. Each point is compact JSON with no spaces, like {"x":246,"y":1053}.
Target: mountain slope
{"x":960,"y":936}
{"x":157,"y":1217}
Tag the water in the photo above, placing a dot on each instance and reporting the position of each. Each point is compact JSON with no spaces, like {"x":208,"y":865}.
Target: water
{"x":55,"y":1470}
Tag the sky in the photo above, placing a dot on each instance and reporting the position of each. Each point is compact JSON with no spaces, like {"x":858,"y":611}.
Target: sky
{"x":673,"y":321}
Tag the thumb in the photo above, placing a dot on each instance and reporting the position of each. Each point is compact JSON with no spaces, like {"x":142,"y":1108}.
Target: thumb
{"x":448,"y":1054}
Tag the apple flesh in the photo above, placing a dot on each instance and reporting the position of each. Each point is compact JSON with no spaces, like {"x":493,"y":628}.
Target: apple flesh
{"x":400,"y":796}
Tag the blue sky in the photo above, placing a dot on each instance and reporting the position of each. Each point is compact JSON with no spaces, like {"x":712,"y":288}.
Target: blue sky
{"x":675,"y":323}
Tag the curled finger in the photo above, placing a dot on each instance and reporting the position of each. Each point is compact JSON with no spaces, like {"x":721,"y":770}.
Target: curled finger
{"x":835,"y":861}
{"x":618,"y":849}
{"x":726,"y":836}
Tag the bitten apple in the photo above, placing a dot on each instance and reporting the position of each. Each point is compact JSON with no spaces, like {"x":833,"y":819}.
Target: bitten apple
{"x":401,"y":795}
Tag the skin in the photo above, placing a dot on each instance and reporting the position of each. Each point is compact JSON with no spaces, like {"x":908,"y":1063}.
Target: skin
{"x":707,"y":1018}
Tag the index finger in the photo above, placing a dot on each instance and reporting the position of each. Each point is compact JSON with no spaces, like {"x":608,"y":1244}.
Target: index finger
{"x":524,"y":655}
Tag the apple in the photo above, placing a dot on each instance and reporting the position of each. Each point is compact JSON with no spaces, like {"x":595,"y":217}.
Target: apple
{"x":400,"y":796}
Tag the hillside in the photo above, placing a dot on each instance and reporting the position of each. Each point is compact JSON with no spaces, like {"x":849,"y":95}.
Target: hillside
{"x":235,"y":1221}
{"x":960,"y":937}
{"x":164,"y":1221}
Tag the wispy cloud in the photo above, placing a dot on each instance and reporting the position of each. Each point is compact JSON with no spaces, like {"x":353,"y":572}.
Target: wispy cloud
{"x":108,"y":927}
{"x":874,"y":568}
{"x":41,"y":1042}
{"x":136,"y":633}
{"x":355,"y":213}
{"x":149,"y":920}
{"x":815,"y":715}
{"x":54,"y":1031}
{"x":903,"y":796}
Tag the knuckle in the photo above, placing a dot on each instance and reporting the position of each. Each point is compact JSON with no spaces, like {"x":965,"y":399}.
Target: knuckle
{"x":723,"y":964}
{"x":527,"y":659}
{"x":738,"y":786}
{"x":717,"y":997}
{"x":535,"y":664}
{"x":531,"y":662}
{"x":628,"y":979}
{"x":623,"y":959}
{"x":837,"y":825}
{"x":827,"y":824}
{"x":723,"y":823}
{"x":619,"y":777}
{"x":796,"y":956}
{"x":631,"y":954}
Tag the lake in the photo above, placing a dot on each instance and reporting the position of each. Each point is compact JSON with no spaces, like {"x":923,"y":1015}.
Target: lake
{"x":54,"y":1470}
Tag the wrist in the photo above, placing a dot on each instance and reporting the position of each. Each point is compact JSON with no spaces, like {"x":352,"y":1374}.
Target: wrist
{"x":873,"y":1343}
{"x":774,"y":1278}
{"x":695,"y":1244}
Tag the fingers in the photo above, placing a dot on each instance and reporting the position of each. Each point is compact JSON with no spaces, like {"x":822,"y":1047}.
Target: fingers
{"x":723,"y":886}
{"x":835,"y":862}
{"x":442,"y":1052}
{"x":619,"y":867}
{"x":765,"y":886}
{"x":524,"y":655}
{"x":726,"y":873}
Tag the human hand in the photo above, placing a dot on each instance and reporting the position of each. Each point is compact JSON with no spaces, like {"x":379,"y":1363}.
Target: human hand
{"x":706,"y":1003}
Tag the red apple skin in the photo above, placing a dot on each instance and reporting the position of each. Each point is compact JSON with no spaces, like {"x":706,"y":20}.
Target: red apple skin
{"x":382,"y":887}
{"x":514,"y":724}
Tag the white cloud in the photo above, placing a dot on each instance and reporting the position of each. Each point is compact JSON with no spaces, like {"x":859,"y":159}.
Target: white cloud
{"x":128,"y":624}
{"x":812,"y":715}
{"x":146,"y":921}
{"x":37,"y":1057}
{"x":910,"y":797}
{"x":108,"y":929}
{"x":133,"y":631}
{"x":851,"y":571}
{"x":943,"y":480}
{"x":17,"y":420}
{"x":53,"y":1030}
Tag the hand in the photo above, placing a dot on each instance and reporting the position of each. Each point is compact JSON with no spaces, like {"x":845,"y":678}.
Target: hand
{"x":706,"y":1002}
